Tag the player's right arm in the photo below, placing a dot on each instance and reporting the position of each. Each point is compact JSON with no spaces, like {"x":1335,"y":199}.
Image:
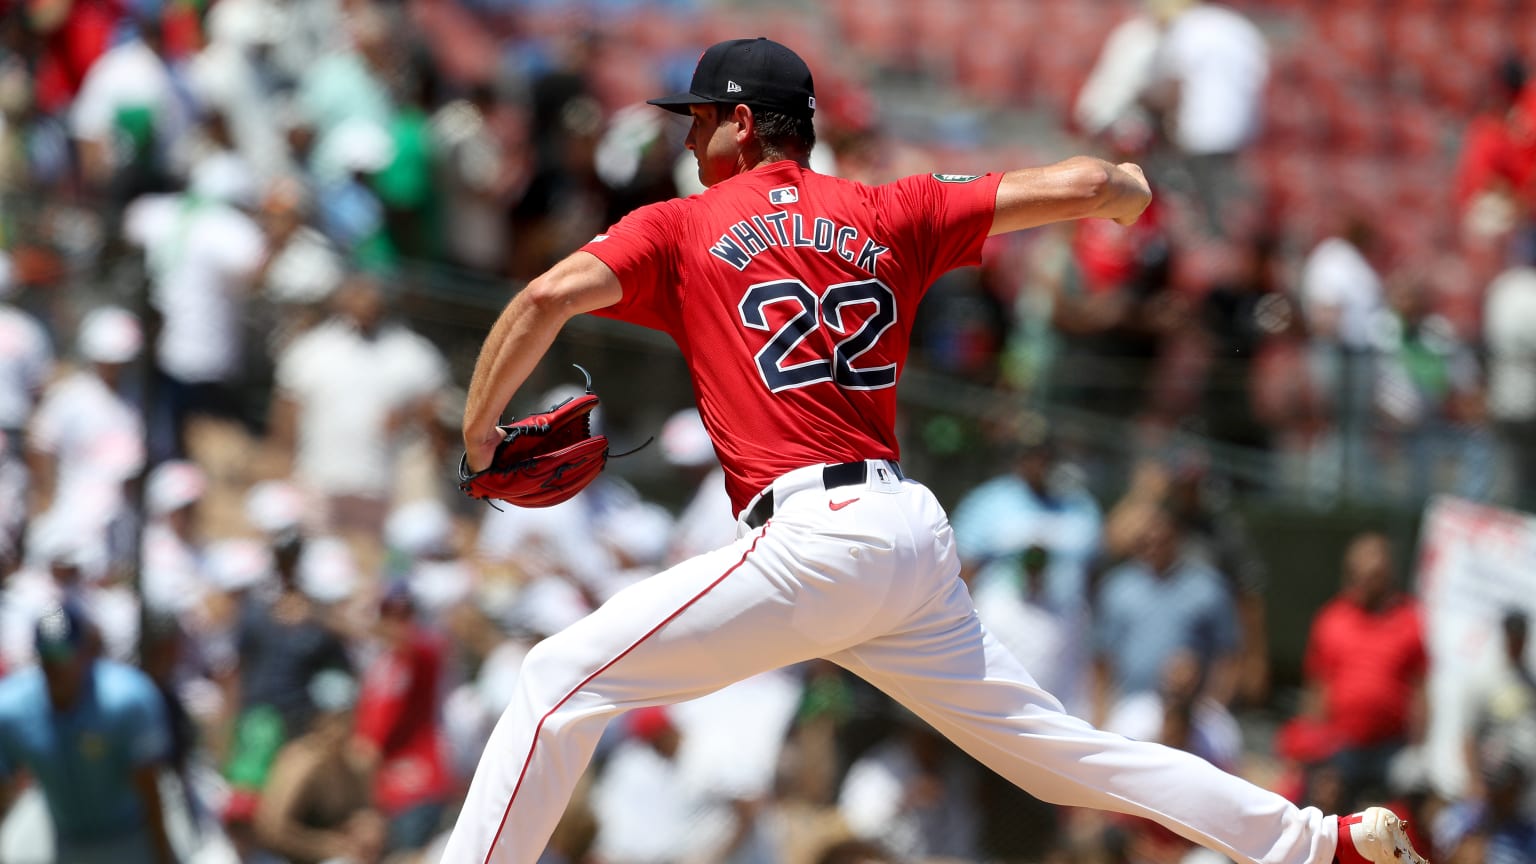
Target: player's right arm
{"x":1078,"y":188}
{"x":523,"y":332}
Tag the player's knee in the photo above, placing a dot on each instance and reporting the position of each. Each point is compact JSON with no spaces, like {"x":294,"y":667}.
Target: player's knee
{"x":548,"y":672}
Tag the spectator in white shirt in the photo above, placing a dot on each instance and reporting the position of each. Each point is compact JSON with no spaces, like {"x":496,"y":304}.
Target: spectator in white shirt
{"x":1218,"y":62}
{"x":641,"y":802}
{"x":66,"y":564}
{"x":26,"y":361}
{"x":915,"y":793}
{"x":1509,"y":333}
{"x":86,"y":440}
{"x":1209,"y":75}
{"x":173,"y":578}
{"x":346,"y":390}
{"x":1341,"y":293}
{"x":1114,"y":89}
{"x":26,"y":356}
{"x":1342,"y":301}
{"x":305,"y":268}
{"x":129,"y":97}
{"x":203,"y":254}
{"x":231,"y":75}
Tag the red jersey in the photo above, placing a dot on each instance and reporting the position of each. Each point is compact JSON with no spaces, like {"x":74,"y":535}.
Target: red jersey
{"x":792,"y":296}
{"x":1369,"y":664}
{"x":397,"y":712}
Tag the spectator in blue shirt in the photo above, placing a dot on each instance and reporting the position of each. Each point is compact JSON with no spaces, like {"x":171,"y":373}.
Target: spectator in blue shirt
{"x":92,"y":734}
{"x":1041,"y":503}
{"x":1154,"y":605}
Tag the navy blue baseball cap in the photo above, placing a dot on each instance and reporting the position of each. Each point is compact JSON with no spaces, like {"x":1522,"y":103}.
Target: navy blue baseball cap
{"x":758,"y":73}
{"x":61,"y":633}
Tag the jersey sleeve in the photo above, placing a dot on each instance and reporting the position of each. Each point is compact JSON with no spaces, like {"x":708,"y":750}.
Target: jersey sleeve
{"x":945,"y":216}
{"x":642,"y":250}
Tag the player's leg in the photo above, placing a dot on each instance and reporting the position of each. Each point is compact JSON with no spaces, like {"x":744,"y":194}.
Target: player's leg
{"x":688,"y":631}
{"x":955,"y":675}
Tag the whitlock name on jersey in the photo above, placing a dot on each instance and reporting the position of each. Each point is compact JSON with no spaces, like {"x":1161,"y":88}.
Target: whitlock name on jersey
{"x":751,"y":237}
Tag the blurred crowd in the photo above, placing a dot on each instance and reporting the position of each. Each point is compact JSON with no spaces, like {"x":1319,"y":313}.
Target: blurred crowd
{"x":246,"y":617}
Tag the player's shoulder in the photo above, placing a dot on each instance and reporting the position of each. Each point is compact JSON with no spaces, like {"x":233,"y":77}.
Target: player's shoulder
{"x":917,"y":195}
{"x":665,"y":210}
{"x":933,"y":180}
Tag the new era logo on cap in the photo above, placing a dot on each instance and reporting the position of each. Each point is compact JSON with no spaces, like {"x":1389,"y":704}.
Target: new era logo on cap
{"x":783,"y":195}
{"x":732,"y":87}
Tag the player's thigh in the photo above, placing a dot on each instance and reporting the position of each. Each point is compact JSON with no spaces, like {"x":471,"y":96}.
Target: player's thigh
{"x":949,"y":670}
{"x":691,"y":629}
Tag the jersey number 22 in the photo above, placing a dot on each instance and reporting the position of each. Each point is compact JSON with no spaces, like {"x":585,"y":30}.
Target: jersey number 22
{"x":811,"y":313}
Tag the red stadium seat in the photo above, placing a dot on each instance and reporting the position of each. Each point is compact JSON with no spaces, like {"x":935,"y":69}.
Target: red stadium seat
{"x":1415,"y":129}
{"x":1354,"y":39}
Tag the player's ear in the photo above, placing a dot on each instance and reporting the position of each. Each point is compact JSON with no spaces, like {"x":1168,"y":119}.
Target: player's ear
{"x":746,"y":124}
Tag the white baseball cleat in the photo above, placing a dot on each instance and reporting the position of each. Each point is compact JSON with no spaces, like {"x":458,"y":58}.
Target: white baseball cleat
{"x":1375,"y":836}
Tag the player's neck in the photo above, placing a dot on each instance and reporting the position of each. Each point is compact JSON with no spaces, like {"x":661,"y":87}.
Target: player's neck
{"x":751,"y":161}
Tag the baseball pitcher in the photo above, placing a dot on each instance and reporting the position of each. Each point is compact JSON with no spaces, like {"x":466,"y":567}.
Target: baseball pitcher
{"x":792,"y":296}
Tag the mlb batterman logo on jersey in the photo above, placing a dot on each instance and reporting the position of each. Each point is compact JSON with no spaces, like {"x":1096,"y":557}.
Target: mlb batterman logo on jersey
{"x":783,"y":195}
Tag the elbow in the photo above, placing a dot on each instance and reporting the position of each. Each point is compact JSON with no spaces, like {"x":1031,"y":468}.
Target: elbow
{"x":551,"y":297}
{"x":573,"y":286}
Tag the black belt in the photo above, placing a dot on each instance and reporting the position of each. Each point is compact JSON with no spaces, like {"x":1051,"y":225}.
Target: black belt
{"x":832,"y":476}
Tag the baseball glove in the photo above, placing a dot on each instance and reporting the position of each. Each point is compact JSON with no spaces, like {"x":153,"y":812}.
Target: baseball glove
{"x":545,"y":458}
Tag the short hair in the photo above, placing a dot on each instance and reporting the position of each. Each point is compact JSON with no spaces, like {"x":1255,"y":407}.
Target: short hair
{"x":785,"y":134}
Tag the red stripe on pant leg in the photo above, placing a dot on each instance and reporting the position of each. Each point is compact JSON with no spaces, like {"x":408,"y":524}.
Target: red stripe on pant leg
{"x":604,"y":668}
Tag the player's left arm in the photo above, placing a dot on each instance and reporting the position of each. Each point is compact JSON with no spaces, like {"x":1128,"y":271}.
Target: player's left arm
{"x":525,"y":329}
{"x":1078,"y":188}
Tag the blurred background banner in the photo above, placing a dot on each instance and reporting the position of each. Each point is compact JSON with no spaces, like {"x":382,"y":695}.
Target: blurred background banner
{"x":1474,"y":573}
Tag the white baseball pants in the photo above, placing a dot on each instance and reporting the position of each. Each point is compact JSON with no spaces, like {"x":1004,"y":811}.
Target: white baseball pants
{"x":866,"y":576}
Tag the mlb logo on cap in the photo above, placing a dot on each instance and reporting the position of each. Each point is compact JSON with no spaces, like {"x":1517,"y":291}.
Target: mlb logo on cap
{"x":783,"y":195}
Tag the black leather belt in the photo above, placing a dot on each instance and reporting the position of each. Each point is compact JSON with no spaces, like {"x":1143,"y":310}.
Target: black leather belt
{"x":832,"y":476}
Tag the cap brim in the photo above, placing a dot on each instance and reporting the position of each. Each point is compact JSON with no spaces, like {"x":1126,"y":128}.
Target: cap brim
{"x":678,"y":103}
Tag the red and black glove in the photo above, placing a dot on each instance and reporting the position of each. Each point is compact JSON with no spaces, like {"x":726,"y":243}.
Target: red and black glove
{"x":545,"y":458}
